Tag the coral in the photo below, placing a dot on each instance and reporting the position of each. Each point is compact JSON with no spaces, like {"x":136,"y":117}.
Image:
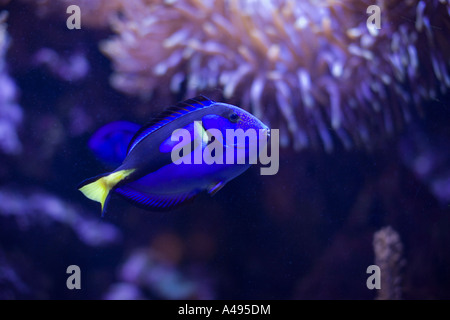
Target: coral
{"x":38,"y":208}
{"x":72,"y":68}
{"x":11,"y":284}
{"x":145,"y":271}
{"x":389,"y":257}
{"x":10,"y":112}
{"x":427,"y":154}
{"x":312,"y":69}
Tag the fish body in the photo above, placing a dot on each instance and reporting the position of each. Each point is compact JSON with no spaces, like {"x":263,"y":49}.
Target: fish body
{"x":150,"y":178}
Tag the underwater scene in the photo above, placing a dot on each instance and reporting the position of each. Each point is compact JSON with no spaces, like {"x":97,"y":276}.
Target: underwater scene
{"x":224,"y":149}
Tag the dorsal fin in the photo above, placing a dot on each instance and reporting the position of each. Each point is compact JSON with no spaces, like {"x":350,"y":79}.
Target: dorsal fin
{"x":168,"y":115}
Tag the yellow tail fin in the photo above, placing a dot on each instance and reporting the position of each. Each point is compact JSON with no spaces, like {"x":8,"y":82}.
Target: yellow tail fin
{"x":100,"y":188}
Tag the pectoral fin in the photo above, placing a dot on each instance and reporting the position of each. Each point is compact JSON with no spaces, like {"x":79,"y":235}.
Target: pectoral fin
{"x":214,"y":188}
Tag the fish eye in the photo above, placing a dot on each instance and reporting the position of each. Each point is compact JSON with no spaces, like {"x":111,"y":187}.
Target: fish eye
{"x":234,"y":117}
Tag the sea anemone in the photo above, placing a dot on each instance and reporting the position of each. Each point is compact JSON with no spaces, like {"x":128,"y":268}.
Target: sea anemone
{"x":311,"y":68}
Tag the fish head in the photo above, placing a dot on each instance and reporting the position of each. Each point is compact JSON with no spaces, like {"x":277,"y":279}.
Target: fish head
{"x":239,"y":128}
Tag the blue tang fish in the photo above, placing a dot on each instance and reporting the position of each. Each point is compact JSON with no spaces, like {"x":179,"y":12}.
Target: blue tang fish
{"x":148,"y":177}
